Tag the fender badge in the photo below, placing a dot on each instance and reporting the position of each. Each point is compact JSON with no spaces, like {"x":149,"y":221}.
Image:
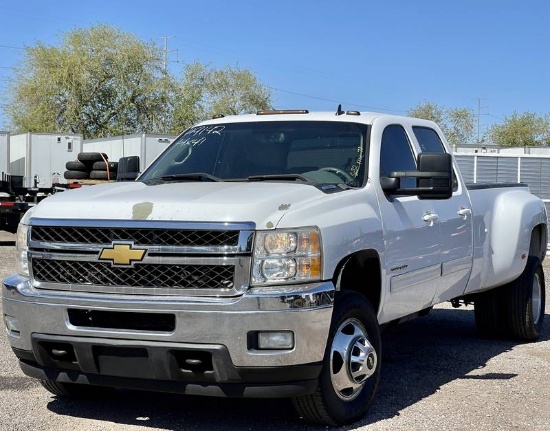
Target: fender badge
{"x":122,"y":254}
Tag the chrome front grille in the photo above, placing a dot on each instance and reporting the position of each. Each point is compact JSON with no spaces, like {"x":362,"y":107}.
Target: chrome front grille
{"x":146,"y":276}
{"x":170,"y":237}
{"x":201,"y":259}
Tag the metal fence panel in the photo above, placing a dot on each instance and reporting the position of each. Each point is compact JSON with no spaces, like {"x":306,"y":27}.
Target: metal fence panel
{"x":507,"y":170}
{"x":544,"y":192}
{"x":531,"y":174}
{"x":466,"y":165}
{"x":487,"y":170}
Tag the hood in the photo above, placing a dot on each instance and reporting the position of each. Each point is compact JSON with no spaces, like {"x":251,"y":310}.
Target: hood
{"x":263,"y":203}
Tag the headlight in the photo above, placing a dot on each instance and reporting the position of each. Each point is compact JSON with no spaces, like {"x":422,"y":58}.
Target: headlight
{"x":286,"y":256}
{"x":21,"y":245}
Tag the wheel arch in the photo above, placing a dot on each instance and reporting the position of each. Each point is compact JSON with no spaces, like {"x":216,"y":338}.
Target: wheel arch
{"x":361,"y":272}
{"x":539,"y":241}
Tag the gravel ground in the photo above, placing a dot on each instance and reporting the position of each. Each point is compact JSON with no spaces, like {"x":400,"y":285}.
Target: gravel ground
{"x":436,"y":375}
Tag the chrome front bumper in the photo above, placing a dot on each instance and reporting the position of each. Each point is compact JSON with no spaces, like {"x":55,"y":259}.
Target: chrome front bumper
{"x":306,"y":310}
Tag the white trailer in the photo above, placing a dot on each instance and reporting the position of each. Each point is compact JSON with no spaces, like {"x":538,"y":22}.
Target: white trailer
{"x":146,"y":146}
{"x":4,"y":151}
{"x":40,"y":158}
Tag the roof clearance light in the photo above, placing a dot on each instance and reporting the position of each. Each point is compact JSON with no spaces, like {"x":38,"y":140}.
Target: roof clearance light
{"x":283,"y":111}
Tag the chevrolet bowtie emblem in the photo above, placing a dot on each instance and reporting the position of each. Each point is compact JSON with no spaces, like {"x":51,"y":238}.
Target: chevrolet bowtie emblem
{"x":122,"y":254}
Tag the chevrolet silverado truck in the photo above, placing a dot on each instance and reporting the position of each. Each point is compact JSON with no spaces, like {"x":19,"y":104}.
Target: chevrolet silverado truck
{"x":261,"y":255}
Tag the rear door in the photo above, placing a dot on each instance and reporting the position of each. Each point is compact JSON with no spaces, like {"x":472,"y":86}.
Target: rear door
{"x":455,"y":226}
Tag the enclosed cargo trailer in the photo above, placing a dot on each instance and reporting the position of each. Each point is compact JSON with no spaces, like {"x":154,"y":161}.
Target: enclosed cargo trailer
{"x":144,"y":145}
{"x":40,"y":158}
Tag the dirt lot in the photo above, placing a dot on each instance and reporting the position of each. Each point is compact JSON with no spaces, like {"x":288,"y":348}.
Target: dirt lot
{"x":436,"y":375}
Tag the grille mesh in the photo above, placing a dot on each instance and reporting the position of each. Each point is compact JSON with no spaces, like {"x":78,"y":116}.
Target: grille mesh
{"x":151,"y":275}
{"x":166,"y":237}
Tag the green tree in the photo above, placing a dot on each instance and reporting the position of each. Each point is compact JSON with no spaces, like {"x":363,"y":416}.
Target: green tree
{"x":98,"y":82}
{"x":456,"y":123}
{"x":205,"y":92}
{"x":428,"y":111}
{"x":521,"y":130}
{"x":459,"y":126}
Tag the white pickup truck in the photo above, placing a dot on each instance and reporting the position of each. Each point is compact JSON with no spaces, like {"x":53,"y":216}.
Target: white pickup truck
{"x":260,"y":256}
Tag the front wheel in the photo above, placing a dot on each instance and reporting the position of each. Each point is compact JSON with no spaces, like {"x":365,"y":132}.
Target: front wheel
{"x":351,"y":366}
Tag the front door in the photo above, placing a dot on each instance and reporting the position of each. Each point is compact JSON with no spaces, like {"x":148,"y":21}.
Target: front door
{"x":412,"y":255}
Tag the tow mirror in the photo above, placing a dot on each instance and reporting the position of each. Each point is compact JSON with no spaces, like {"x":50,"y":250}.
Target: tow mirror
{"x":434,"y":178}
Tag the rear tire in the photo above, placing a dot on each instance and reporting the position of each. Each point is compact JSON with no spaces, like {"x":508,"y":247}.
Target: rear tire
{"x":351,"y":366}
{"x":74,"y":390}
{"x":526,"y":302}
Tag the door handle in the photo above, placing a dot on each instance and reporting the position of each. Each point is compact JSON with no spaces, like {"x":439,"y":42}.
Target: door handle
{"x":430,"y":218}
{"x":464,"y":213}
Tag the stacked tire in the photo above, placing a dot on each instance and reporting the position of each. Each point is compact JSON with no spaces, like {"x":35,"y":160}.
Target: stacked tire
{"x":91,"y":165}
{"x":104,"y":170}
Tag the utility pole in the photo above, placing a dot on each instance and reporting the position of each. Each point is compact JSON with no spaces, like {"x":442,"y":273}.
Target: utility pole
{"x":166,"y":51}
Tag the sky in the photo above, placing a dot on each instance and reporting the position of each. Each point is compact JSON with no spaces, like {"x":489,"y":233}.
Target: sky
{"x":489,"y":56}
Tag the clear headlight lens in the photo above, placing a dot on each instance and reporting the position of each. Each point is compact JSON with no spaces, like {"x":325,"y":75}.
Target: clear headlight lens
{"x":286,"y":256}
{"x":21,"y":245}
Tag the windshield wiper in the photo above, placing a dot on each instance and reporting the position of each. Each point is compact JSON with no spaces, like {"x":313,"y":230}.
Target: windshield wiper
{"x":195,"y":176}
{"x":281,"y":177}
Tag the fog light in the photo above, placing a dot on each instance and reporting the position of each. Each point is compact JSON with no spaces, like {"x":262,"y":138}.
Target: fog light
{"x":12,"y":324}
{"x":275,"y":340}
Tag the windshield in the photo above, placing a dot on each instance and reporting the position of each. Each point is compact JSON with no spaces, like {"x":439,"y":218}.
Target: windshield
{"x":320,"y":152}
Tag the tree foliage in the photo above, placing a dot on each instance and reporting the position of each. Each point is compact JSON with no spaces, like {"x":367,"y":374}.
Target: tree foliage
{"x":98,"y":82}
{"x":205,"y":92}
{"x":456,"y":123}
{"x":428,"y":111}
{"x":102,"y":82}
{"x":459,"y":127}
{"x":521,"y":130}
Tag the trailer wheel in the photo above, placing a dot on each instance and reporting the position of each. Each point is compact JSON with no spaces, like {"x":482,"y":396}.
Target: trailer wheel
{"x":76,"y":175}
{"x":351,"y":366}
{"x":489,"y":311}
{"x":75,"y":390}
{"x":526,"y":297}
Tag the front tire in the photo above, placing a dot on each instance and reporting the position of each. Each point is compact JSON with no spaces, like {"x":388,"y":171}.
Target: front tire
{"x":351,"y":366}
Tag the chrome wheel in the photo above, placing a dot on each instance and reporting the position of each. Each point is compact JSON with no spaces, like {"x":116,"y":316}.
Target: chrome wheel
{"x":353,"y":359}
{"x":351,"y":365}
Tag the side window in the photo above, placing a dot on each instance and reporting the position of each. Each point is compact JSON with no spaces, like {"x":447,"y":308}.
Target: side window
{"x":396,"y":154}
{"x":429,"y":140}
